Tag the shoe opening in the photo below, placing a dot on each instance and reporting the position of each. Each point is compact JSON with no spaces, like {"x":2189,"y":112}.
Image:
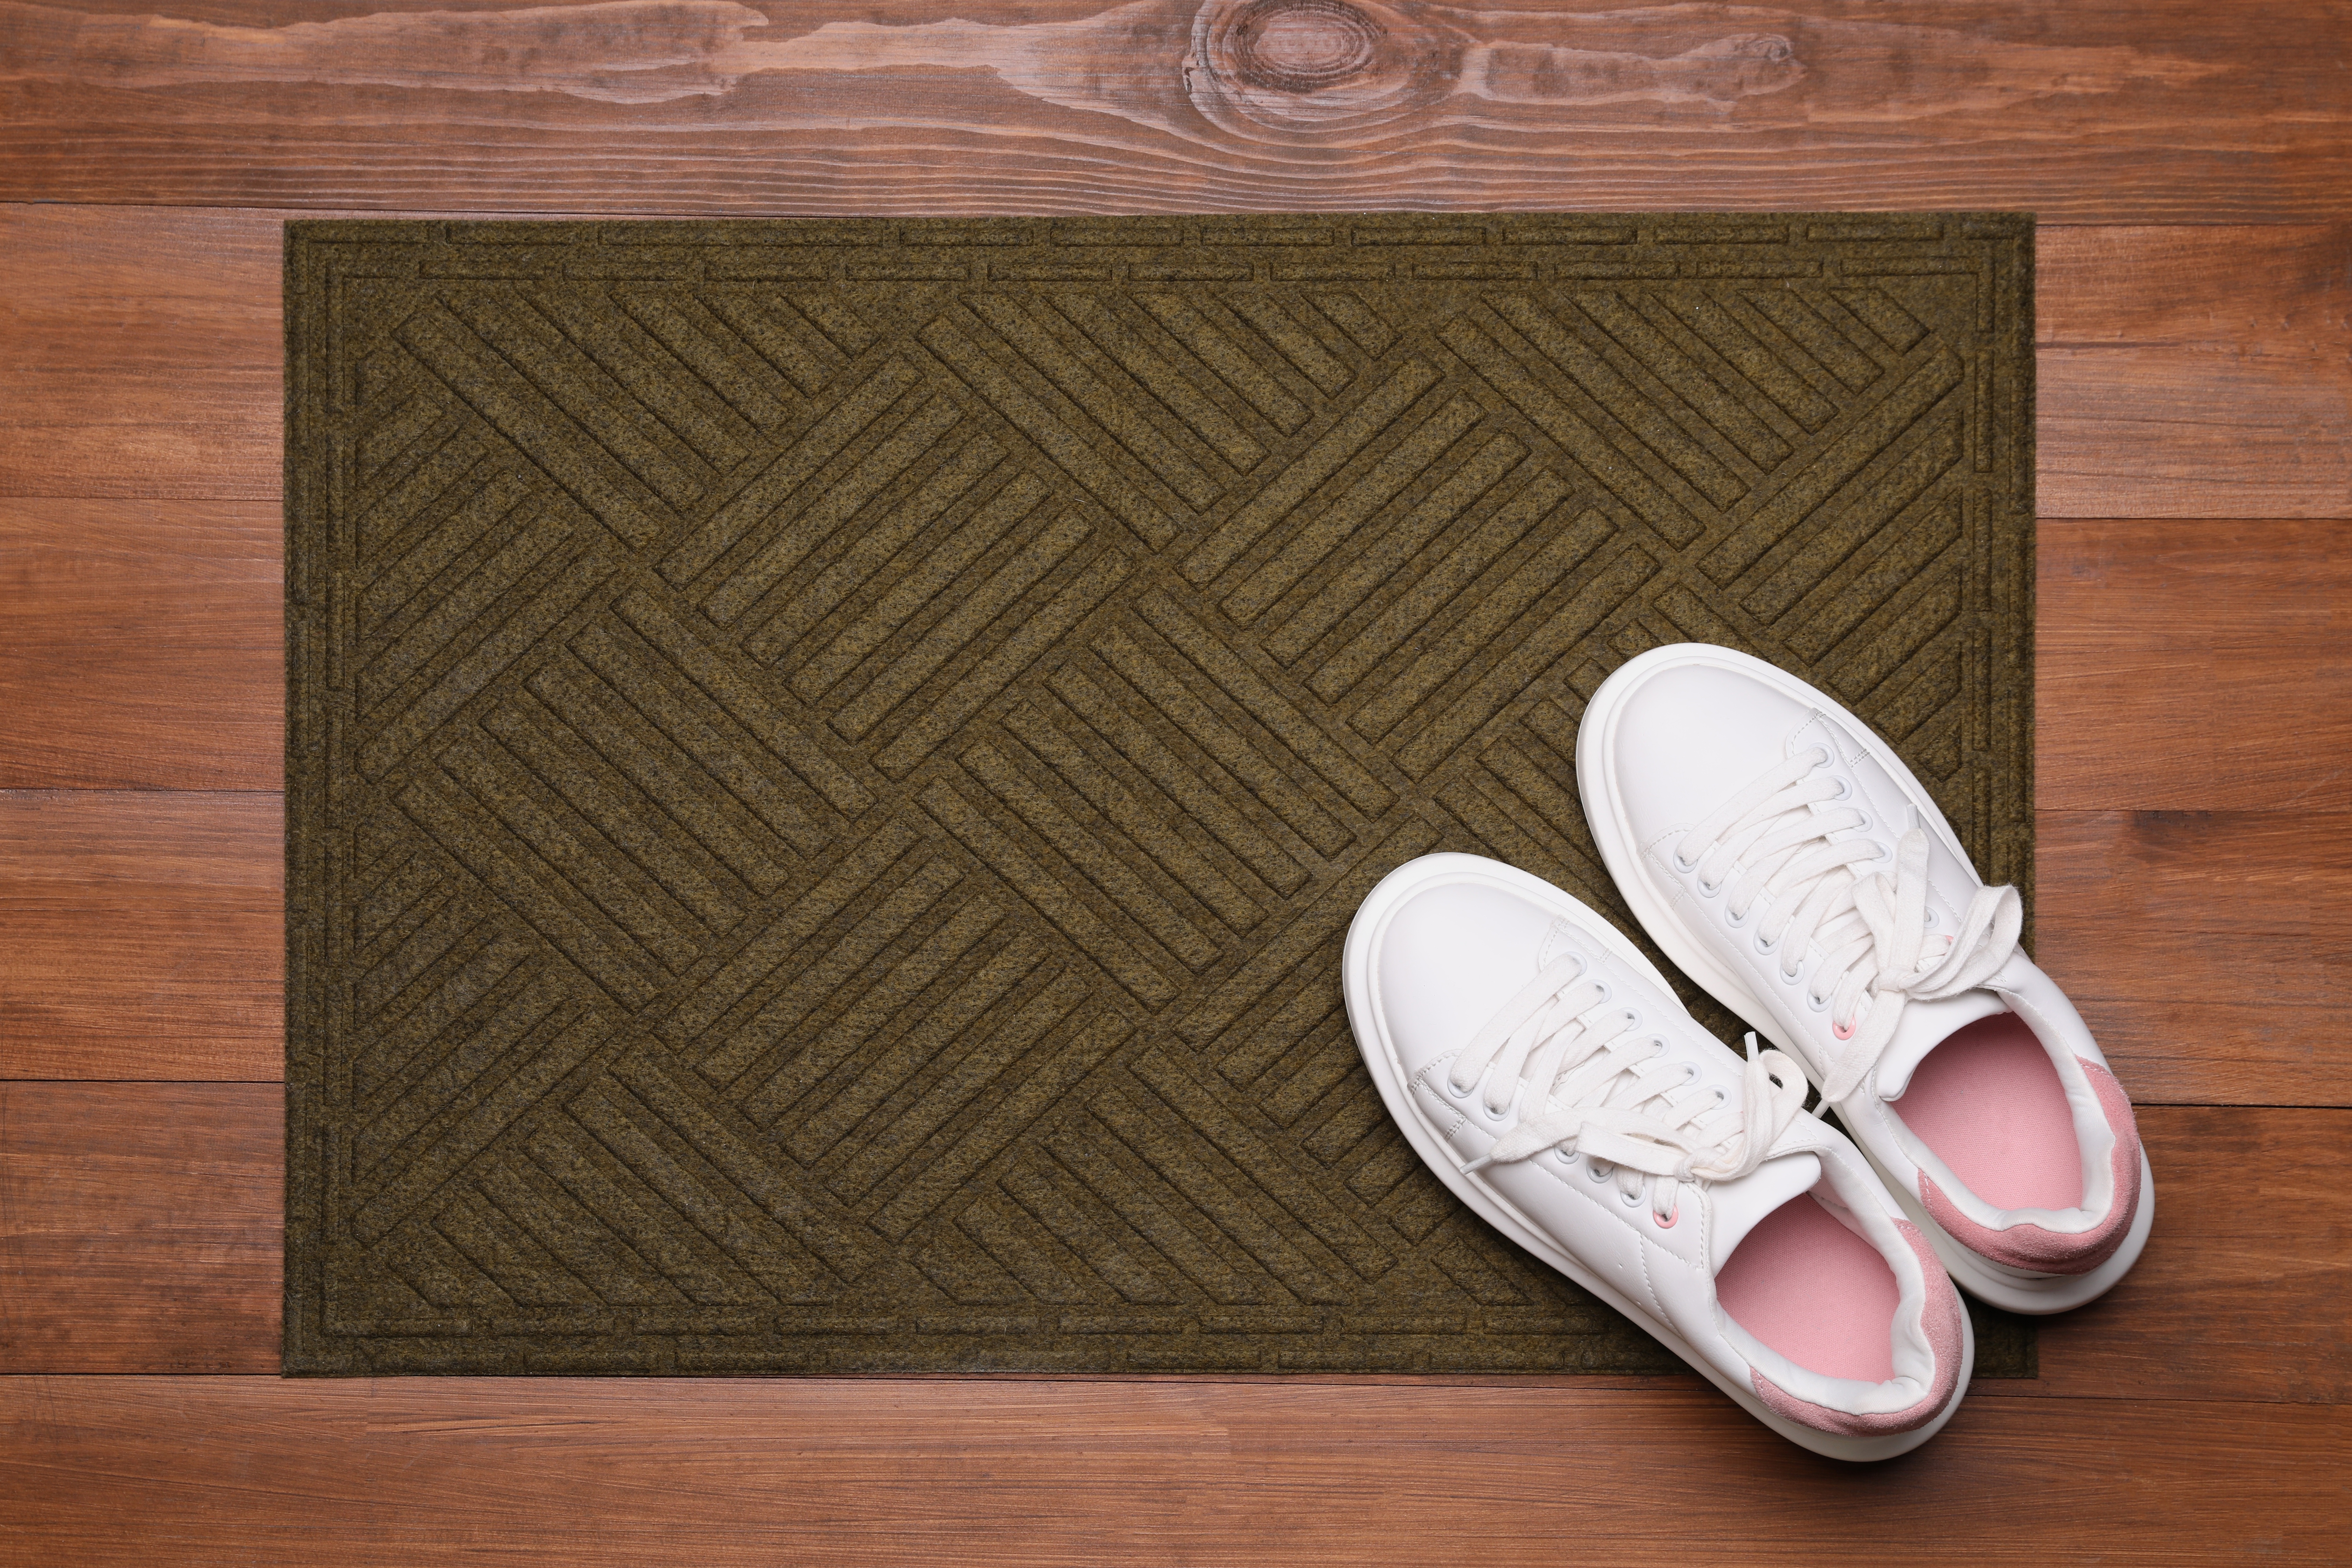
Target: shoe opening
{"x":1813,"y":1291}
{"x":1988,"y":1102}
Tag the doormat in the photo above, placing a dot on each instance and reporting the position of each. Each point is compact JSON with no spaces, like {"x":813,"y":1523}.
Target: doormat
{"x":828,"y":762}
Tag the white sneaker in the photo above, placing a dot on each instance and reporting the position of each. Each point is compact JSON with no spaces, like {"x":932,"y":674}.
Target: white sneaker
{"x":1543,"y":1068}
{"x":1785,"y":857}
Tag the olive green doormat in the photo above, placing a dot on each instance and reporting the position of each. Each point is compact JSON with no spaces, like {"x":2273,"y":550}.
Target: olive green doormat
{"x":829,"y":762}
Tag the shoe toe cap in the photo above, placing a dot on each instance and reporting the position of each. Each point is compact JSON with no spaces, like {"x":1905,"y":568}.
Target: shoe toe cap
{"x":1449,"y":956}
{"x":1689,"y":735}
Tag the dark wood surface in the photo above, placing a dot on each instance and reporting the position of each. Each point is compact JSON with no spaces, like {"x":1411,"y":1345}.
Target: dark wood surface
{"x":2194,"y":743}
{"x":254,"y":1471}
{"x":141,"y":645}
{"x":2142,"y":111}
{"x":142,"y":935}
{"x":143,"y":1226}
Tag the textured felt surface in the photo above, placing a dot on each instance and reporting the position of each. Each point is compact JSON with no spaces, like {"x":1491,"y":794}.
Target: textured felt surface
{"x":828,"y":762}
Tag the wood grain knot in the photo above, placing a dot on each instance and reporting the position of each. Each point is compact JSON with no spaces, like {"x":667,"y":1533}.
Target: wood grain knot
{"x":1300,"y":46}
{"x":1310,"y":68}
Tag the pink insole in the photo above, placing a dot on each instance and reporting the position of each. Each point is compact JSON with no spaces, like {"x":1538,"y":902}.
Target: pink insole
{"x":1988,"y":1102}
{"x":1813,"y":1291}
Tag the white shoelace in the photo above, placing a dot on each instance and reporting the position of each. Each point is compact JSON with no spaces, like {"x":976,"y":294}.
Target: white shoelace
{"x":1777,"y":837}
{"x":1559,"y":1040}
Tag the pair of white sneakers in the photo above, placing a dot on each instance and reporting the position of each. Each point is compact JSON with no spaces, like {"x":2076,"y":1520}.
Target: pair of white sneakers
{"x":1784,"y":857}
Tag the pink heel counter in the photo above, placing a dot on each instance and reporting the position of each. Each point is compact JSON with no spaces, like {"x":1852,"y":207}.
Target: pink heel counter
{"x":2032,"y":1248}
{"x":1941,"y":1319}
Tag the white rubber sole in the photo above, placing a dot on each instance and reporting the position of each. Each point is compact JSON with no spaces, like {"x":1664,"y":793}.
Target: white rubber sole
{"x":1365,"y":1019}
{"x":1614,"y":835}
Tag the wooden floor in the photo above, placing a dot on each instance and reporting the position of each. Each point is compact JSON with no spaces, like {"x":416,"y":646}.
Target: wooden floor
{"x":2190,"y":162}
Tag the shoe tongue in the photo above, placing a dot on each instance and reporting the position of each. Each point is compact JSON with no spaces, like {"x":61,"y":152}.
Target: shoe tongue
{"x":1736,"y":1207}
{"x":1925,"y":1025}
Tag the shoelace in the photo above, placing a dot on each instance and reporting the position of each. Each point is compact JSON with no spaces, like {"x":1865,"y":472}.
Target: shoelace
{"x":1870,"y":927}
{"x":1559,"y":1040}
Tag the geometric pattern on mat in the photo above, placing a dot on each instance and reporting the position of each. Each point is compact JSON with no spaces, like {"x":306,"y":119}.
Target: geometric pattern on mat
{"x":828,"y":762}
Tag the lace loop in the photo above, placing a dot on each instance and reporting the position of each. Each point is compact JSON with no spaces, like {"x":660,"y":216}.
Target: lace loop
{"x":1792,"y":836}
{"x":1591,"y":1083}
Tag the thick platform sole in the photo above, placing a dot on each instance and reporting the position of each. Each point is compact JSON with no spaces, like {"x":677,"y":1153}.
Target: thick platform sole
{"x":1389,"y":1076}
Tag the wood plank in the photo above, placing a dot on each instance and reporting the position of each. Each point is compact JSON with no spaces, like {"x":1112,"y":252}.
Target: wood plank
{"x":2210,"y":951}
{"x":2195,"y":372}
{"x":2268,"y":289}
{"x":141,"y":645}
{"x":140,"y":1226}
{"x":2141,"y":432}
{"x":2193,"y":666}
{"x":202,"y":1470}
{"x":2220,"y":1307}
{"x":2105,"y":111}
{"x":139,"y":353}
{"x":140,"y":935}
{"x":139,"y":357}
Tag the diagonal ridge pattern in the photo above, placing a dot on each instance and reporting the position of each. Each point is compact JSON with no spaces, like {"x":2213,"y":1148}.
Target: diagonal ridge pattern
{"x":829,"y":764}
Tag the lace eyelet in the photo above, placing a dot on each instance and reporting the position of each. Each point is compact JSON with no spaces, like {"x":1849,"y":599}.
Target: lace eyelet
{"x":1690,"y":1072}
{"x":1685,"y":867}
{"x":1845,"y":792}
{"x":1601,"y":1171}
{"x":1459,"y":1092}
{"x":1605,"y":992}
{"x":1788,"y":978}
{"x":1631,"y":1198}
{"x":1886,"y":852}
{"x":1823,"y":753}
{"x":1722,"y":1095}
{"x":1843,"y":1031}
{"x":1767,"y":948}
{"x":1737,"y":918}
{"x":1633,"y":1019}
{"x":1491,"y":1114}
{"x":1928,"y":919}
{"x":1818,"y":1004}
{"x":1565,"y":1156}
{"x":1667,"y":1221}
{"x":1864,"y":825}
{"x":1705,"y":892}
